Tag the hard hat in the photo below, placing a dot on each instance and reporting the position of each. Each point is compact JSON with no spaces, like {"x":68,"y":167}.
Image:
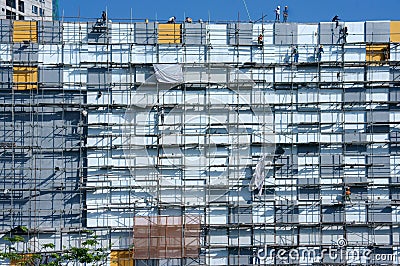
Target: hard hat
{"x":279,"y":7}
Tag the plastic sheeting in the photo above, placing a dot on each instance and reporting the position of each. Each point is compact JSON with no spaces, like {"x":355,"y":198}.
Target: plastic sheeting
{"x":285,"y":33}
{"x":377,"y":31}
{"x":170,"y":54}
{"x":122,"y":33}
{"x":112,"y":187}
{"x":355,"y":32}
{"x":307,"y":33}
{"x":168,"y":73}
{"x":258,"y":176}
{"x":217,"y":34}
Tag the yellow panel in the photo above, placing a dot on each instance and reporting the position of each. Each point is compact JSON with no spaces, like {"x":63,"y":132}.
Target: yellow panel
{"x":378,"y":53}
{"x":25,"y":31}
{"x":169,"y":33}
{"x":122,"y":258}
{"x":25,"y":78}
{"x":395,"y":31}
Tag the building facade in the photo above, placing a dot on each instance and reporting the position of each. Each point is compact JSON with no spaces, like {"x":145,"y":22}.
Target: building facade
{"x":26,"y":9}
{"x":202,"y":144}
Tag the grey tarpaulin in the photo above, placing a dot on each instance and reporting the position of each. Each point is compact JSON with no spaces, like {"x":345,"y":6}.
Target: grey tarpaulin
{"x":168,"y":73}
{"x":259,"y":176}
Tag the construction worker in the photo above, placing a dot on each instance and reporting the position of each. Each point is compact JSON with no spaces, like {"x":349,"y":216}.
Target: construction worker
{"x":278,"y":14}
{"x":295,"y":53}
{"x":260,"y":39}
{"x":320,"y":51}
{"x":347,"y":194}
{"x":343,"y":34}
{"x":104,"y":16}
{"x":162,"y":115}
{"x":188,"y":20}
{"x":385,"y":54}
{"x":336,"y":19}
{"x":285,"y":14}
{"x":171,"y":20}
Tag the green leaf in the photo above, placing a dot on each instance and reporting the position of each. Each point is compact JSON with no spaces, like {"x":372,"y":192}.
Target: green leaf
{"x":88,"y":252}
{"x":48,"y":245}
{"x":14,"y":239}
{"x":90,"y":242}
{"x":24,"y":228}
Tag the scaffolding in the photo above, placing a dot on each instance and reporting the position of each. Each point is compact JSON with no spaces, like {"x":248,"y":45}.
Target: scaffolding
{"x":149,"y":135}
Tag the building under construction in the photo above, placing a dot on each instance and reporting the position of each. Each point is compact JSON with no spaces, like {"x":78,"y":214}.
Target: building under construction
{"x":203,"y":143}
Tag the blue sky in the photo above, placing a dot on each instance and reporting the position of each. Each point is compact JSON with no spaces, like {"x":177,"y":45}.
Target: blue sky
{"x":222,"y":10}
